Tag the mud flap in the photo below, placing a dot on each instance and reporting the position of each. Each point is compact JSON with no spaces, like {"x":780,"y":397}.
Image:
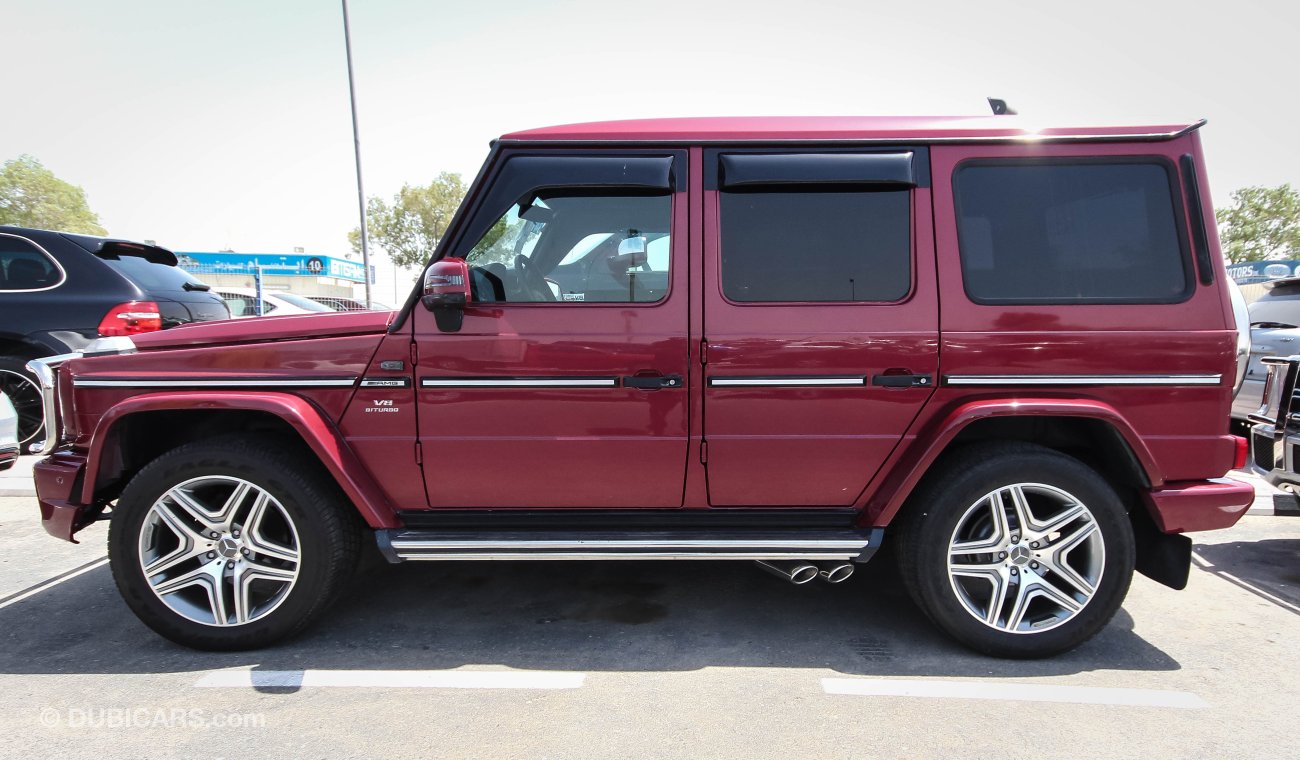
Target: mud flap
{"x":1165,"y":558}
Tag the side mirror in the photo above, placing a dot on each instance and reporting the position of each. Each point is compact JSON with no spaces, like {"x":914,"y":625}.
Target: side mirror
{"x":631,"y":253}
{"x":446,"y":292}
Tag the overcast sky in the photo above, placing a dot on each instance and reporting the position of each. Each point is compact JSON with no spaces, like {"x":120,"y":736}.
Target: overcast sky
{"x":206,"y":125}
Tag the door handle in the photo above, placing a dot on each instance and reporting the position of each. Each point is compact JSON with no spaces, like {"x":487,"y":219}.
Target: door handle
{"x":652,"y":382}
{"x":901,"y":381}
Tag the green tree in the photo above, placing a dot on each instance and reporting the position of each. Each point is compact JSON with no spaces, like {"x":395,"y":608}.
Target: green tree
{"x":1262,"y":223}
{"x":410,"y":227}
{"x":31,"y":196}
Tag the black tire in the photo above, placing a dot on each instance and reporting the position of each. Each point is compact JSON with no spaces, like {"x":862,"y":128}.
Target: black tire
{"x":327,"y":537}
{"x":24,"y":392}
{"x":950,"y":499}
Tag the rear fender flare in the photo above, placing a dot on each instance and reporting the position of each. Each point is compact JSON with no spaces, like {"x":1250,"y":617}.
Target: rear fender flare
{"x":315,"y":430}
{"x":915,"y":461}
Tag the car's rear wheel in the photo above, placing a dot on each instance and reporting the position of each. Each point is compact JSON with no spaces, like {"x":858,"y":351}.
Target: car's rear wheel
{"x":25,"y":394}
{"x":231,"y":543}
{"x":1017,"y":550}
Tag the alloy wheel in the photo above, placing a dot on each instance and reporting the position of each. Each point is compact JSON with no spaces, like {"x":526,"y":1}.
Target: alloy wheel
{"x":26,"y":398}
{"x":1026,"y":558}
{"x":219,"y":550}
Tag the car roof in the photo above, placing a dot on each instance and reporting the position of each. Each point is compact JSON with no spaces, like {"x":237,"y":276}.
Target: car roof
{"x":848,"y":128}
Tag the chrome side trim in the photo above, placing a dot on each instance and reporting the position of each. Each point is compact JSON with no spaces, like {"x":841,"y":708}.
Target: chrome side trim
{"x":46,"y":376}
{"x":92,"y":382}
{"x":824,"y":381}
{"x":519,"y":382}
{"x":639,"y":555}
{"x":1083,"y":379}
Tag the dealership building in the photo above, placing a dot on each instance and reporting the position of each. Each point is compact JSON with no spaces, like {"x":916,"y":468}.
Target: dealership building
{"x":301,"y":273}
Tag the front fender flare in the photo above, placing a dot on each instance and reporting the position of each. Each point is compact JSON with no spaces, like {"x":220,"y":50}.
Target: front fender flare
{"x":915,"y":460}
{"x":316,"y":431}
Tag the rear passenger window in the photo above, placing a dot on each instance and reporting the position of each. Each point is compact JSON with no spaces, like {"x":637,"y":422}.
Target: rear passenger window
{"x":816,"y":245}
{"x":24,"y":267}
{"x":1070,"y":232}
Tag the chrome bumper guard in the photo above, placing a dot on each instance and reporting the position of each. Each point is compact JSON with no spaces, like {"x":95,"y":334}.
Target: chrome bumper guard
{"x":47,"y":375}
{"x":1276,"y":417}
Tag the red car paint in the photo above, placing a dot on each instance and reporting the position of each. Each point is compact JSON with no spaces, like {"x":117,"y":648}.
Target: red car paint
{"x":396,"y":445}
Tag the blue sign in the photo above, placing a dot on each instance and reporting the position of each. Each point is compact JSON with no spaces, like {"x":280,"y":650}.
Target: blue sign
{"x":1249,"y":272}
{"x":296,"y":265}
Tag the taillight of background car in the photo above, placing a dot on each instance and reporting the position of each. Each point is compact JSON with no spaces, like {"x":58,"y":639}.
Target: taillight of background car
{"x":131,"y":318}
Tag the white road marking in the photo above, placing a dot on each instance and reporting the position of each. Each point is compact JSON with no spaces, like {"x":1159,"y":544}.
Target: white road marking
{"x":51,"y":583}
{"x":394,"y":679}
{"x":1012,"y":692}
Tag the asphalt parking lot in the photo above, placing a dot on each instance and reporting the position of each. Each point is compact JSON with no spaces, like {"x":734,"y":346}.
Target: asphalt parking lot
{"x":643,"y":659}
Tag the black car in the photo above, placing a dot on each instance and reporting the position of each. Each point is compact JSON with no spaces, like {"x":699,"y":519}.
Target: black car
{"x":59,"y":291}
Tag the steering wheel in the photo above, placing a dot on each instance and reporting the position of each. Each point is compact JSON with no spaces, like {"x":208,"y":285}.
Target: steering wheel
{"x":532,"y":280}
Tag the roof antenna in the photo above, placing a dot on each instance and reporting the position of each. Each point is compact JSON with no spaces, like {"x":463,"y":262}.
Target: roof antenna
{"x":1000,"y":107}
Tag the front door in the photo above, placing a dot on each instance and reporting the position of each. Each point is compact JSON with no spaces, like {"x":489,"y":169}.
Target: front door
{"x":820,"y":319}
{"x":566,"y":384}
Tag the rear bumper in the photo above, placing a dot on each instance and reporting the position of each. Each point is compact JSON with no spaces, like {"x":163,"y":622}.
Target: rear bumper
{"x":1192,"y":505}
{"x":58,"y":478}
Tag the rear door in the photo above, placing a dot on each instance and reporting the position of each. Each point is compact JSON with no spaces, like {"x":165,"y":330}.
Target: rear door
{"x":820,"y":319}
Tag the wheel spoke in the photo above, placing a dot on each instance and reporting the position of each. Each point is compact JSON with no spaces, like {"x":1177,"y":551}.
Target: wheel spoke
{"x":259,"y":543}
{"x":997,"y":537}
{"x":226,"y":515}
{"x":1020,"y":506}
{"x":192,"y":508}
{"x":269,"y":572}
{"x":1059,"y":521}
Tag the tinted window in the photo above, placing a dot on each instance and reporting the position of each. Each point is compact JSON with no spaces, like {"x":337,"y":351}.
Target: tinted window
{"x":1069,"y":233}
{"x":150,"y":276}
{"x":577,"y":249}
{"x":24,"y":267}
{"x":816,"y":246}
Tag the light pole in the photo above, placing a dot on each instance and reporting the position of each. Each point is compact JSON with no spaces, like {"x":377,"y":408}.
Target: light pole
{"x":356,"y":144}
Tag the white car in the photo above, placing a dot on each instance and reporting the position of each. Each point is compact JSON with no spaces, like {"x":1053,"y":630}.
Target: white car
{"x":8,"y":433}
{"x":243,"y":302}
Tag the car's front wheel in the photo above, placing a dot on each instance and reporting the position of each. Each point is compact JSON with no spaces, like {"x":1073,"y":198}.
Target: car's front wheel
{"x":1017,"y":550}
{"x":231,"y":543}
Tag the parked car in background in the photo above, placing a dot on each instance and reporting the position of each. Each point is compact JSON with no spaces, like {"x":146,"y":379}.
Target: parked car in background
{"x":338,"y":303}
{"x":60,"y":291}
{"x":1274,"y":331}
{"x":243,"y":302}
{"x":8,"y":434}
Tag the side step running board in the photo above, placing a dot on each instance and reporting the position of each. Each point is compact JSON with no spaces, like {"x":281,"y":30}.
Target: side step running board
{"x":405,"y":544}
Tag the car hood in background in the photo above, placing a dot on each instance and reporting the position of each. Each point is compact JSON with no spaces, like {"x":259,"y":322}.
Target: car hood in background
{"x":261,"y":329}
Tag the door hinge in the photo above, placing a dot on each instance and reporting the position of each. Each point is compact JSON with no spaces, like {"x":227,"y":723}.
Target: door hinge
{"x":415,"y":354}
{"x":704,"y":351}
{"x":704,"y":452}
{"x":419,"y":453}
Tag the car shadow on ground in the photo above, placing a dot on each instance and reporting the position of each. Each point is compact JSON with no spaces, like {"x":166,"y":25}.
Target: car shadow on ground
{"x":570,"y":616}
{"x":1270,"y":566}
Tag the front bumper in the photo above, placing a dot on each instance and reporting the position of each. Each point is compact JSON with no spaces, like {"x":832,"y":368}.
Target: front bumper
{"x":58,"y":482}
{"x":1193,"y":505}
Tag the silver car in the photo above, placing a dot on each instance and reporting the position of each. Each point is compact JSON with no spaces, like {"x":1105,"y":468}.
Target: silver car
{"x":1274,"y":331}
{"x":8,"y":433}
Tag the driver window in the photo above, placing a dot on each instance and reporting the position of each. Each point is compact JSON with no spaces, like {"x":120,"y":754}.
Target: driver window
{"x":589,"y":248}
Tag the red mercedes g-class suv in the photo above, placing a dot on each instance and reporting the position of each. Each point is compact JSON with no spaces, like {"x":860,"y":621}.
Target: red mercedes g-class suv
{"x":1008,"y":351}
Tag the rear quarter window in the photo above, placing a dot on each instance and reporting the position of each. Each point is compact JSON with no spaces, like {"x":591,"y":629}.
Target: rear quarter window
{"x":1070,"y":232}
{"x":23,"y":266}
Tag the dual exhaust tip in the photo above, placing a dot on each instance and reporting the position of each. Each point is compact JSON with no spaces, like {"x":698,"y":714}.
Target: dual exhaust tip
{"x":800,"y":573}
